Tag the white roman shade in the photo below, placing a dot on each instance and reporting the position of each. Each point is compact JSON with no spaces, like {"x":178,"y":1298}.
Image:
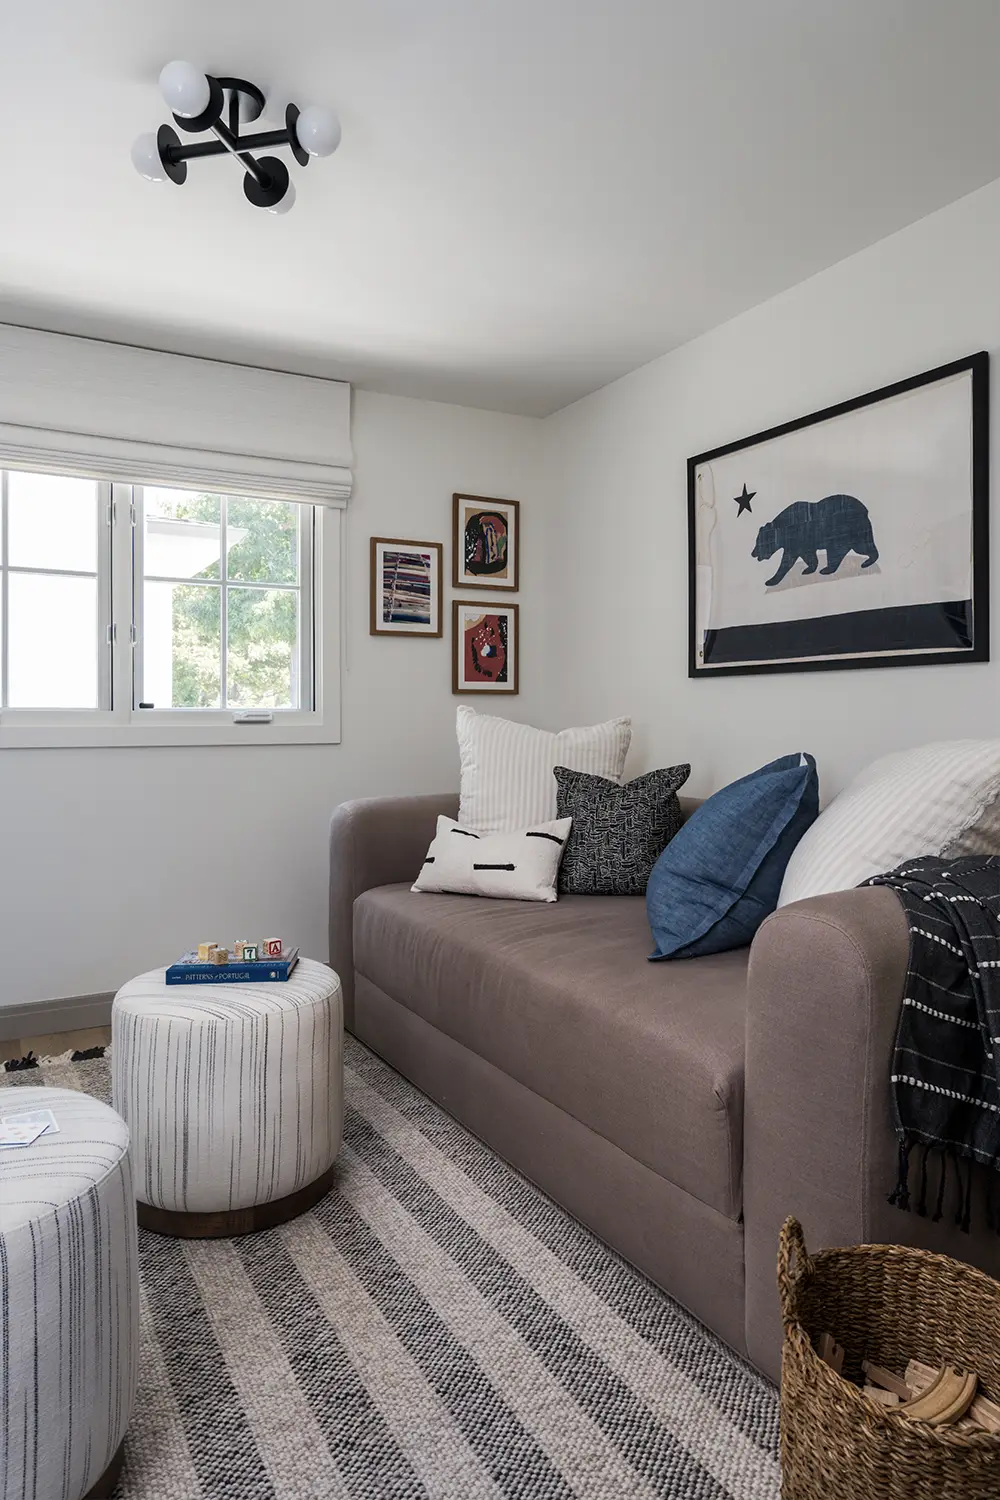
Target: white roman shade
{"x":79,"y":406}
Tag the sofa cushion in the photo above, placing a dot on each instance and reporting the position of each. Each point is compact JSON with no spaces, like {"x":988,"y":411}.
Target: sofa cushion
{"x":507,"y":866}
{"x":618,"y":832}
{"x":507,"y":781}
{"x":938,"y":799}
{"x":563,"y":1000}
{"x":714,"y":883}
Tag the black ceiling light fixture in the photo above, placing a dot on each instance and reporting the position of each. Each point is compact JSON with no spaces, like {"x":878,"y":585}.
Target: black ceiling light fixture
{"x":202,"y":103}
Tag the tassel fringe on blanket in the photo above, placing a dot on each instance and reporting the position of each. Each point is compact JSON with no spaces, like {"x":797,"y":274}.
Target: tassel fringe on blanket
{"x":954,"y":1179}
{"x":946,"y":1062}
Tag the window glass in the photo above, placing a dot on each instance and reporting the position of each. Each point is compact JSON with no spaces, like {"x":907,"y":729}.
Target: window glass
{"x":262,"y":648}
{"x":167,"y":599}
{"x":219,"y":642}
{"x":51,"y":522}
{"x":52,"y":657}
{"x":263,"y":541}
{"x":49,"y":567}
{"x":181,"y":646}
{"x":183,"y":534}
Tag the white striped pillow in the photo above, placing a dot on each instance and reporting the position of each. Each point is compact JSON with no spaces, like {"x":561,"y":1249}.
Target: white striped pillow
{"x":937,"y":800}
{"x":507,"y":782}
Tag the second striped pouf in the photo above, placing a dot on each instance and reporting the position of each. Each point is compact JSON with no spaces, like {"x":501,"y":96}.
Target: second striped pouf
{"x":69,"y":1299}
{"x":233,"y":1094}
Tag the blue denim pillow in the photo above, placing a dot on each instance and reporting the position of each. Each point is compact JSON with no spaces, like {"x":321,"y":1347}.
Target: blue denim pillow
{"x":719,"y":877}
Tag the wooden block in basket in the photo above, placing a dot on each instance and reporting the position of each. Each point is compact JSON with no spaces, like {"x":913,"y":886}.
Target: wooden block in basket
{"x":882,"y":1303}
{"x":982,"y":1413}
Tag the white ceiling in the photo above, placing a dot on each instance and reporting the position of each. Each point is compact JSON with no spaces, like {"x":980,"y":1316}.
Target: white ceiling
{"x":532,"y":196}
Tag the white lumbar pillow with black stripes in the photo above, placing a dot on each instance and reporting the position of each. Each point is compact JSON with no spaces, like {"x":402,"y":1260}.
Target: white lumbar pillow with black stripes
{"x":520,"y":866}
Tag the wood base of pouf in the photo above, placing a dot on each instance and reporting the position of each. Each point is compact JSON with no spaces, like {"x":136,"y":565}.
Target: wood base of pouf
{"x":106,"y":1484}
{"x":228,"y":1223}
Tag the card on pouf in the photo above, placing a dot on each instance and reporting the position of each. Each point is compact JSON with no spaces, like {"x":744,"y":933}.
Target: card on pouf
{"x":619,"y":832}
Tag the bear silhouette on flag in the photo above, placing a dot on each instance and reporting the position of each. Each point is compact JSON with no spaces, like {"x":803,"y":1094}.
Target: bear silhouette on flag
{"x":837,"y":524}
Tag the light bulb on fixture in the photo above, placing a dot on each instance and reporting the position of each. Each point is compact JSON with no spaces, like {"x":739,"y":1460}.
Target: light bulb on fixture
{"x":185,"y":89}
{"x":284,"y":204}
{"x":146,"y":158}
{"x":318,"y":131}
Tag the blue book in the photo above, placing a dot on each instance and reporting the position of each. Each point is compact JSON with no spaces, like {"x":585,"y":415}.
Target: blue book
{"x":191,"y":970}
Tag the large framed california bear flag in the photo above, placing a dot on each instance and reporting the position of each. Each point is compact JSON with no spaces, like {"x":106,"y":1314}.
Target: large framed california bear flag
{"x":854,"y":537}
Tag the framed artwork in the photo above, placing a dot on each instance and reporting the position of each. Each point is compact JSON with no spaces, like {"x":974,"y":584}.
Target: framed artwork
{"x":487,"y":542}
{"x":484,"y":647}
{"x":406,"y":587}
{"x":854,"y":537}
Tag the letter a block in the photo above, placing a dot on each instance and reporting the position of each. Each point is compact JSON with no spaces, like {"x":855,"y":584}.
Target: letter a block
{"x":272,"y":947}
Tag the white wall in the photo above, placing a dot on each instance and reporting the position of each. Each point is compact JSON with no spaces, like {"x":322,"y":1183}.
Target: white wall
{"x":102,"y":871}
{"x":95,"y":883}
{"x":618,"y":523}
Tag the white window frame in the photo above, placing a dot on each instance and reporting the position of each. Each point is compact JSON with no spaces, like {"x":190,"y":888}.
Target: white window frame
{"x":122,"y":724}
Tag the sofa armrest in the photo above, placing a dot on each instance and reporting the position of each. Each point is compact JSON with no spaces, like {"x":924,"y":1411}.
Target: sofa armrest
{"x":824,"y":992}
{"x":375,"y":841}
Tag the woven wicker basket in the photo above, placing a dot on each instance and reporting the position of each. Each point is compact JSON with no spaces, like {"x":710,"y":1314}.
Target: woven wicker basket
{"x":889,"y":1304}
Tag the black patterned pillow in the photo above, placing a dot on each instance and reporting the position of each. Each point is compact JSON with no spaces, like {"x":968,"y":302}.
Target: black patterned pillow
{"x":618,"y":832}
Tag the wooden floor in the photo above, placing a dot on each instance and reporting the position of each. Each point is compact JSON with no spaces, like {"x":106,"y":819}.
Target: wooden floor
{"x":56,"y":1042}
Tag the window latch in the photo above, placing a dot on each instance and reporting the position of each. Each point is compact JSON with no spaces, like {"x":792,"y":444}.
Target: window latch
{"x":253,"y":716}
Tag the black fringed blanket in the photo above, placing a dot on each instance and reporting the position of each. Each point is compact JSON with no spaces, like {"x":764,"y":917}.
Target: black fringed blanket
{"x":946,"y":1066}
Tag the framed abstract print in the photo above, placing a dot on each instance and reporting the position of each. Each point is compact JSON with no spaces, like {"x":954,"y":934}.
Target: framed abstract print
{"x":406,"y":596}
{"x":484,"y":647}
{"x":487,"y":542}
{"x":854,"y":537}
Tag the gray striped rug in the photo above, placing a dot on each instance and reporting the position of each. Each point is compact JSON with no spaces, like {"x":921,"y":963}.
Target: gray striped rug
{"x":435,"y":1327}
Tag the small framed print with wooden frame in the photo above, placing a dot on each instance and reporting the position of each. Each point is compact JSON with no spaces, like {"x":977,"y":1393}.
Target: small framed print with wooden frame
{"x":486,"y":543}
{"x":406,"y":592}
{"x":485,"y":647}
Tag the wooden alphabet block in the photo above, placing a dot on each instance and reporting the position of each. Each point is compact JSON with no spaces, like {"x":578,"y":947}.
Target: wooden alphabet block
{"x":271,"y":947}
{"x":238,"y":947}
{"x":205,"y":951}
{"x":219,"y":956}
{"x":249,"y":953}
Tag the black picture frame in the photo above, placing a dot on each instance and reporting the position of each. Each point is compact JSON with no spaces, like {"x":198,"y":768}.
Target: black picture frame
{"x":979,"y":649}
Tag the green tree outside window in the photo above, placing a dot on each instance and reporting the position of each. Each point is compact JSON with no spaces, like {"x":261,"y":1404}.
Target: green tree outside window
{"x":263,"y":622}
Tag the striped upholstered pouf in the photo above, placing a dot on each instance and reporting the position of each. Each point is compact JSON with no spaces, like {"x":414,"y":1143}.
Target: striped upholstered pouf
{"x":69,"y":1300}
{"x":234,"y":1097}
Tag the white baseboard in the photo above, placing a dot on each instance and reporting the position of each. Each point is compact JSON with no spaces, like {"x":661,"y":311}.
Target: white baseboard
{"x":40,"y":1017}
